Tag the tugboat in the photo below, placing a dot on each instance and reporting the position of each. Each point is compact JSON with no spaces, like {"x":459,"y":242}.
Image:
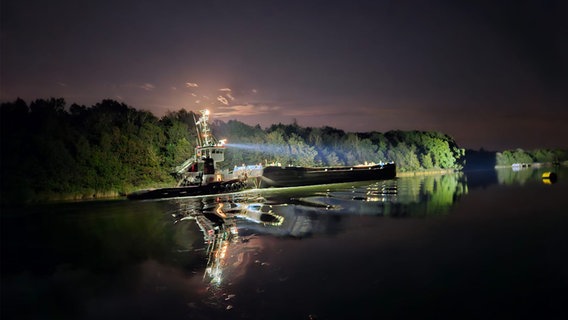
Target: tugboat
{"x":199,"y":175}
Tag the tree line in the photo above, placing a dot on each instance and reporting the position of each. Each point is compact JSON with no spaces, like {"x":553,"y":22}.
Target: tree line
{"x":509,"y":157}
{"x":291,"y":144}
{"x":51,"y":150}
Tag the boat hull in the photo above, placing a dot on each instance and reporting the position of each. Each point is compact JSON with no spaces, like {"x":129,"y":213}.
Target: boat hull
{"x":302,"y":176}
{"x":176,"y":192}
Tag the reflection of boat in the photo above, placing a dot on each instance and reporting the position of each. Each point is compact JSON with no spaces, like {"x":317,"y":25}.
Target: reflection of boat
{"x":231,"y":230}
{"x":274,"y":176}
{"x":228,"y":251}
{"x":199,"y":175}
{"x":236,"y":227}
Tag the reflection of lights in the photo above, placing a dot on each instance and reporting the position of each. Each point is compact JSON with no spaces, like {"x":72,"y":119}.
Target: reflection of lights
{"x":225,"y":250}
{"x":217,"y":256}
{"x":219,"y":211}
{"x":278,"y":219}
{"x":215,"y":274}
{"x":253,"y":212}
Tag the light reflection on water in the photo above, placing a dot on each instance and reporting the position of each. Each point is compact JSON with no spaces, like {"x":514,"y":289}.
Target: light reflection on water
{"x":233,"y":225}
{"x":336,"y":251}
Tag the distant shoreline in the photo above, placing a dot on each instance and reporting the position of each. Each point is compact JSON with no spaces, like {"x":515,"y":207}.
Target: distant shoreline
{"x":118,"y":195}
{"x":536,"y":165}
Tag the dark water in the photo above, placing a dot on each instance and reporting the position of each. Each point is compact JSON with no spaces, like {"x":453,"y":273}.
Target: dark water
{"x":477,"y":245}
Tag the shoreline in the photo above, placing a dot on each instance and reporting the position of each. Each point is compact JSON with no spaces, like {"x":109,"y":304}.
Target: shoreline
{"x":50,"y":198}
{"x":118,"y":195}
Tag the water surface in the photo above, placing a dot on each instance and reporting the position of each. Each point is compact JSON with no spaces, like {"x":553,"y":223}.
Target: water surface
{"x":477,"y":245}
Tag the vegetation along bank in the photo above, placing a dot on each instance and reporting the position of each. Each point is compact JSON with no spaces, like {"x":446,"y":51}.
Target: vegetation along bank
{"x":51,"y":151}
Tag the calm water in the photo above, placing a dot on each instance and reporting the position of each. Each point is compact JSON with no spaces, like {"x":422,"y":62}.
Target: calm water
{"x":477,"y":245}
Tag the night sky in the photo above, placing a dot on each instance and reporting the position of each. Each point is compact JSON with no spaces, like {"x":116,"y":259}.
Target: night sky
{"x":490,"y":74}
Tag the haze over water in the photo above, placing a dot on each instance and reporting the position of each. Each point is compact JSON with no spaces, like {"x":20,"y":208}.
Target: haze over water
{"x":487,"y":244}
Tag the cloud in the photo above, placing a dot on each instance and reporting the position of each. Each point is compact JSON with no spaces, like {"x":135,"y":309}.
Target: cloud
{"x":191,"y":85}
{"x":249,"y":109}
{"x":61,"y":84}
{"x":223,"y":100}
{"x":193,"y":94}
{"x":148,"y":87}
{"x":228,"y":94}
{"x":254,"y":91}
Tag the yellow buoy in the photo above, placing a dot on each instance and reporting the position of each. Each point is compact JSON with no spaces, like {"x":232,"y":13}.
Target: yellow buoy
{"x":549,"y":177}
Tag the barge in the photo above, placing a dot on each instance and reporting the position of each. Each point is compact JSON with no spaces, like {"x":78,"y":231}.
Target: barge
{"x":276,"y":176}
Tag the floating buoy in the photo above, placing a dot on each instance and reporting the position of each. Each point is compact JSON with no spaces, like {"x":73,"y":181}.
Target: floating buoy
{"x":549,"y":177}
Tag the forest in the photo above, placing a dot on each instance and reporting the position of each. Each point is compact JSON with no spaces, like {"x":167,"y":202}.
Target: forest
{"x":54,"y":151}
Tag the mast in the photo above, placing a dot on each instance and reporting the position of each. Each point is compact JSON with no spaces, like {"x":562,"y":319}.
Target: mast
{"x":197,"y":131}
{"x":204,"y":133}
